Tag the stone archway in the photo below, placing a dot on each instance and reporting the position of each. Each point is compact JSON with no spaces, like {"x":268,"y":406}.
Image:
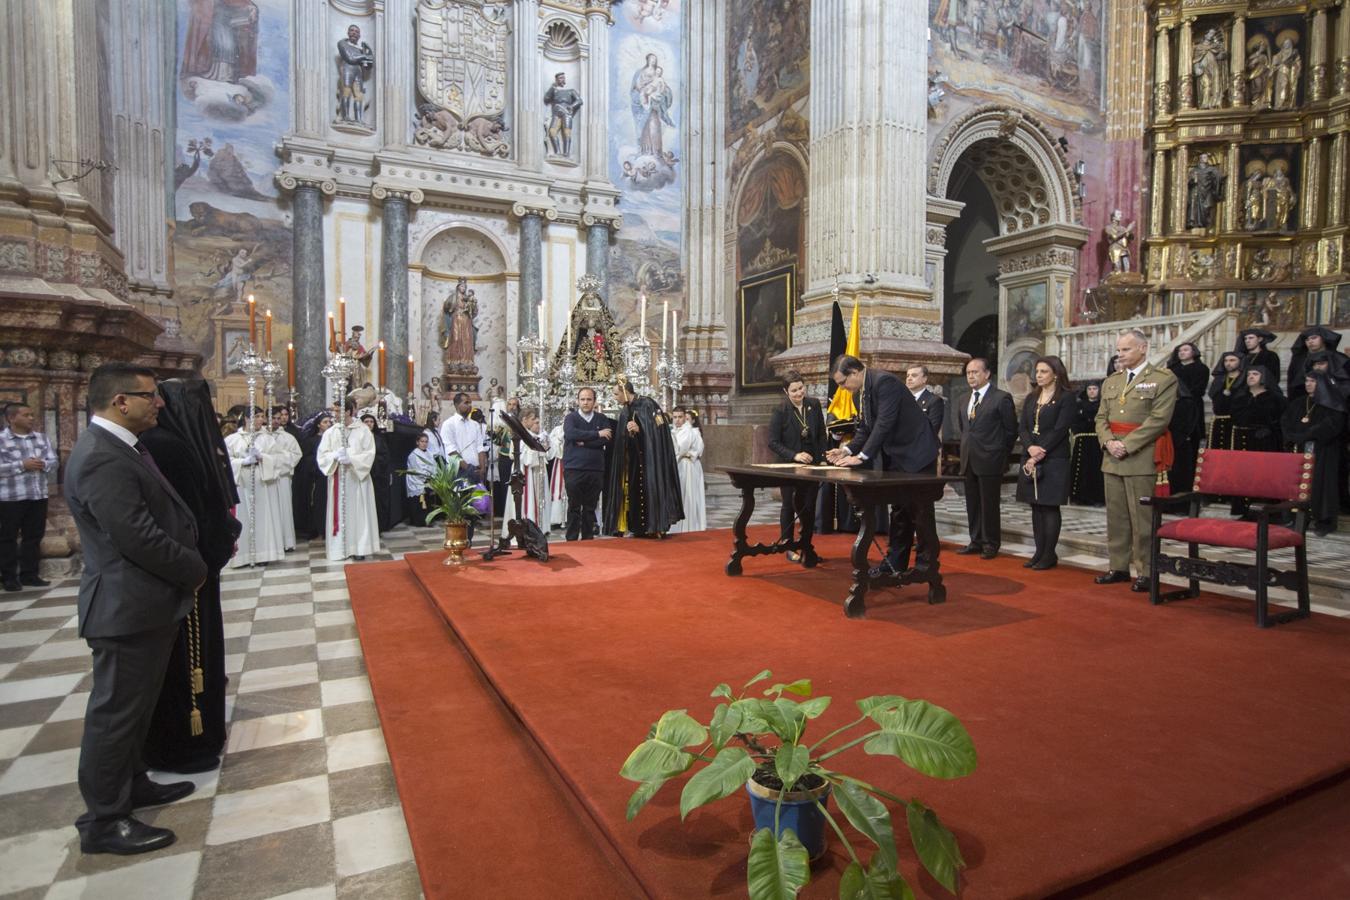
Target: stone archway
{"x":1039,"y":216}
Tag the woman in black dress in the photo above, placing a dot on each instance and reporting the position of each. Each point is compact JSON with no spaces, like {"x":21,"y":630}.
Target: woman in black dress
{"x":381,"y":477}
{"x":1314,"y":422}
{"x":1085,"y":451}
{"x":1043,"y":479}
{"x":1313,"y":340}
{"x":1251,"y":346}
{"x":310,"y":483}
{"x":1228,"y":385}
{"x":1188,"y":417}
{"x":797,"y":434}
{"x":1257,"y":412}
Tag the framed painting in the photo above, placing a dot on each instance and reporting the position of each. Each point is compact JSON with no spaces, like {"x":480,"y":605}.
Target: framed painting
{"x":765,"y":305}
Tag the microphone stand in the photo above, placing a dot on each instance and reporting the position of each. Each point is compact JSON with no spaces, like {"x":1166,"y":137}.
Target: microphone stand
{"x":495,"y":548}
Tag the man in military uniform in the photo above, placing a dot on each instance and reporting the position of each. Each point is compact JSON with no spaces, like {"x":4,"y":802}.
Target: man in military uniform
{"x":563,"y":103}
{"x":1136,"y":408}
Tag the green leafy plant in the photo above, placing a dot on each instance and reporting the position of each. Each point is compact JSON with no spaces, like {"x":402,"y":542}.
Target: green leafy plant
{"x":763,"y":738}
{"x":458,"y":499}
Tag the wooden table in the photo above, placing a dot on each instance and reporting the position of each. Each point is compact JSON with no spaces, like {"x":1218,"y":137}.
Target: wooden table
{"x":867,"y":490}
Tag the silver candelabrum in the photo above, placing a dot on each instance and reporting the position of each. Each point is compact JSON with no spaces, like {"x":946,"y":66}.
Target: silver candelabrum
{"x":532,"y":366}
{"x":336,"y":372}
{"x":636,"y":352}
{"x":670,"y":377}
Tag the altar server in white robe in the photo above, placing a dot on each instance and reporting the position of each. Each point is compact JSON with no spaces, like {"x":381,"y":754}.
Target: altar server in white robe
{"x":286,"y":450}
{"x":557,"y":489}
{"x":688,"y":438}
{"x":255,"y":476}
{"x":534,"y":497}
{"x":346,"y":455}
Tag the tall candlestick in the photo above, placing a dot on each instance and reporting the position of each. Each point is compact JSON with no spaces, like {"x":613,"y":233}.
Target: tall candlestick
{"x":342,"y":317}
{"x":252,"y":321}
{"x":290,"y":365}
{"x":539,"y":332}
{"x":411,"y":380}
{"x":569,"y":333}
{"x":665,"y":317}
{"x":642,"y":314}
{"x":268,"y":323}
{"x":382,"y":368}
{"x":674,"y":331}
{"x":332,"y":335}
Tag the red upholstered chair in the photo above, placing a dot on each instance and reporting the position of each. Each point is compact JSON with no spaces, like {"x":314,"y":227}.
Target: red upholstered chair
{"x":1285,"y":479}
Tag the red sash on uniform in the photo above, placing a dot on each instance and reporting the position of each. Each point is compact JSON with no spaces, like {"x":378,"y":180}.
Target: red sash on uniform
{"x":1163,"y":455}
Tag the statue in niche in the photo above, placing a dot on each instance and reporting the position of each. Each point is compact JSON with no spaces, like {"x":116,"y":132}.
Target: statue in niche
{"x":1287,"y":67}
{"x":563,"y":103}
{"x":1118,"y":242}
{"x":1260,"y":78}
{"x":1254,"y":198}
{"x":355,"y":60}
{"x":1211,"y":82}
{"x":1204,"y":188}
{"x":459,"y":334}
{"x":1279,"y":195}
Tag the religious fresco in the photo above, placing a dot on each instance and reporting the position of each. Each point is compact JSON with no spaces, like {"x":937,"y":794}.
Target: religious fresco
{"x":231,"y":238}
{"x":645,"y":137}
{"x":1023,"y":336}
{"x":1273,"y":309}
{"x":768,"y":66}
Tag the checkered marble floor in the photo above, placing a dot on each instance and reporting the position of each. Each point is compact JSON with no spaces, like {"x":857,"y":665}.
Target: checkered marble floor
{"x":304,"y":805}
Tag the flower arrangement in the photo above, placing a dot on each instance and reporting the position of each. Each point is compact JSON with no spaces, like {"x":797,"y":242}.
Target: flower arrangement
{"x":458,"y":499}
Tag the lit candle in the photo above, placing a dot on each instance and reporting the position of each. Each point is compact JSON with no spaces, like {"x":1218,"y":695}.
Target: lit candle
{"x":665,"y":318}
{"x":569,"y":333}
{"x":290,"y":365}
{"x":342,"y":317}
{"x":674,"y":331}
{"x":268,"y":323}
{"x":252,"y":321}
{"x":411,"y":380}
{"x":642,"y":314}
{"x":382,"y":363}
{"x":332,"y":335}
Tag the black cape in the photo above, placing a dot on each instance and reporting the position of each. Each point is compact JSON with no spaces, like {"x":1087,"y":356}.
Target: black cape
{"x":1086,"y":484}
{"x":645,"y":466}
{"x":1322,"y":435}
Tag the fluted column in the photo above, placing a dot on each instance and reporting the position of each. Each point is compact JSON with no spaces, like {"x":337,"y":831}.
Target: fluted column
{"x":868,"y":112}
{"x":394,"y":281}
{"x":1232,"y":186}
{"x":1181,"y":171}
{"x":1185,"y":77}
{"x":597,"y":93}
{"x":530,"y":90}
{"x":1317,"y":57}
{"x":394,"y":71}
{"x":1237,"y":61}
{"x":1311,"y":189}
{"x":1336,"y":199}
{"x":1162,"y":72}
{"x":312,"y":60}
{"x":309,"y":321}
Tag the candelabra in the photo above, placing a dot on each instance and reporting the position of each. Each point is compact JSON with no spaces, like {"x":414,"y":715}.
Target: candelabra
{"x":670,"y":377}
{"x":567,"y":383}
{"x":532,"y":365}
{"x":251,"y":364}
{"x":636,"y":351}
{"x":336,"y":371}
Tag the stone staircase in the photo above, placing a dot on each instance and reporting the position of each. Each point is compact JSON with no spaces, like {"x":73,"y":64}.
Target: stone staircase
{"x":1087,"y":349}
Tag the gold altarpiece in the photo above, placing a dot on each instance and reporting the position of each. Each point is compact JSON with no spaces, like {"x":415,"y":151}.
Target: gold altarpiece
{"x":1247,"y":135}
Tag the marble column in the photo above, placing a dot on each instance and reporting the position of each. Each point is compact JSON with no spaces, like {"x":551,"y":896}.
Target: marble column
{"x":309,"y":320}
{"x":531,"y":267}
{"x":394,"y":282}
{"x":597,"y":252}
{"x":1237,"y":60}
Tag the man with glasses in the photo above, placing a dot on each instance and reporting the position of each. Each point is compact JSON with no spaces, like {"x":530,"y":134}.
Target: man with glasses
{"x":25,"y":459}
{"x":141,"y":573}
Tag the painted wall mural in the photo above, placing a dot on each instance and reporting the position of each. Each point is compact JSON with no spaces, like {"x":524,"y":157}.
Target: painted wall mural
{"x":768,"y":67}
{"x":645,"y":137}
{"x":231,"y":237}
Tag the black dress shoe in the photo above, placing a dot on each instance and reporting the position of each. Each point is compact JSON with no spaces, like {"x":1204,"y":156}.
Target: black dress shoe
{"x":1029,"y":564}
{"x":1042,"y":564}
{"x":969,"y":549}
{"x":34,"y":581}
{"x":1140,"y":585}
{"x":125,"y":836}
{"x":1112,"y":577}
{"x":12,"y":585}
{"x":989,"y":553}
{"x":145,"y":792}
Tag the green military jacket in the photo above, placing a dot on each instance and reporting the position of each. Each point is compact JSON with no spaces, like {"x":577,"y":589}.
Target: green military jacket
{"x":1147,"y":402}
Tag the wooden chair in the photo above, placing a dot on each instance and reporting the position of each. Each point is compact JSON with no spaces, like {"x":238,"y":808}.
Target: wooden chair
{"x":1283,"y":478}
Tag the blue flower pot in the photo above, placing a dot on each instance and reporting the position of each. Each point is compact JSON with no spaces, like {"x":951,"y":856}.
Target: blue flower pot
{"x":799,"y":814}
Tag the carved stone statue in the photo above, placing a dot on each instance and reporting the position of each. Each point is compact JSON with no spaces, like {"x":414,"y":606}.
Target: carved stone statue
{"x":1254,"y":199}
{"x":563,"y":103}
{"x":1260,"y":82}
{"x":1204,"y":188}
{"x":1211,"y":80}
{"x":1118,"y":242}
{"x":458,"y":330}
{"x":355,"y":60}
{"x":1279,"y":197}
{"x":1287,"y":67}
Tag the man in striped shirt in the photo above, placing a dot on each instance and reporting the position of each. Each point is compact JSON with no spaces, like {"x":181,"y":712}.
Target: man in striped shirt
{"x":25,"y":459}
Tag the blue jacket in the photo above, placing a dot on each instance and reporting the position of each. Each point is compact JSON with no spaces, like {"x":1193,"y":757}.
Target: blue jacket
{"x":584,"y":449}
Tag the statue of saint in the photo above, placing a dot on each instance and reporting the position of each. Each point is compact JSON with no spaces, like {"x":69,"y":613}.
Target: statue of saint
{"x":355,"y":60}
{"x":1287,"y":67}
{"x":563,"y":103}
{"x":1118,"y":242}
{"x":1260,"y":84}
{"x":1254,"y":200}
{"x":1279,"y":199}
{"x":1211,"y":81}
{"x":1204,"y":188}
{"x":459,"y":334}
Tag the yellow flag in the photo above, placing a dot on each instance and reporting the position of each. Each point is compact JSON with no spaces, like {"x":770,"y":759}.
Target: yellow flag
{"x":842,"y":406}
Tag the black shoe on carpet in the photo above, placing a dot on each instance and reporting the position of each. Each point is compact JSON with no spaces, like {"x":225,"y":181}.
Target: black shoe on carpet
{"x":1112,"y":577}
{"x":125,"y":836}
{"x":1140,"y":585}
{"x":969,"y":550}
{"x":989,"y":553}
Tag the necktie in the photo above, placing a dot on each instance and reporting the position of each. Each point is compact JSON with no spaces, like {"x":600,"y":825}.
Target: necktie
{"x":979,"y":395}
{"x":1129,"y":378}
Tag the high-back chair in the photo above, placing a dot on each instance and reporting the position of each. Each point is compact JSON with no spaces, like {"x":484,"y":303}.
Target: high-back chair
{"x":1283,"y":479}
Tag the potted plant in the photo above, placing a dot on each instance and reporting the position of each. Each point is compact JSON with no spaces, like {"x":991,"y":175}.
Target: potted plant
{"x":757,"y":743}
{"x":459,"y":501}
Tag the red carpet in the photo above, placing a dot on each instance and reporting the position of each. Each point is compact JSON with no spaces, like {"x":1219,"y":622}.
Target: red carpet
{"x":1107,"y":729}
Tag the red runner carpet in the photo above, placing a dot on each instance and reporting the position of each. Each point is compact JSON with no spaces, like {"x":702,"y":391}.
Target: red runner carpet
{"x":1107,"y":729}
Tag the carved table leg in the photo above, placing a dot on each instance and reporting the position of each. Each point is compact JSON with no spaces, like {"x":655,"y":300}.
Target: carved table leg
{"x":740,"y":546}
{"x":856,"y":605}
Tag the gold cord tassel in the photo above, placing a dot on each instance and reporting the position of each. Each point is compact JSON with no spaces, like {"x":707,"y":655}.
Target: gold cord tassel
{"x":196,"y":676}
{"x":198,"y":680}
{"x":196,"y":721}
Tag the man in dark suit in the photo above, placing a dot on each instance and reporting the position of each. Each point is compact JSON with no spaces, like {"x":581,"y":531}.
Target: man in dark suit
{"x":933,"y":406}
{"x":141,"y":571}
{"x":892,"y":427}
{"x":586,"y":437}
{"x":988,"y":432}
